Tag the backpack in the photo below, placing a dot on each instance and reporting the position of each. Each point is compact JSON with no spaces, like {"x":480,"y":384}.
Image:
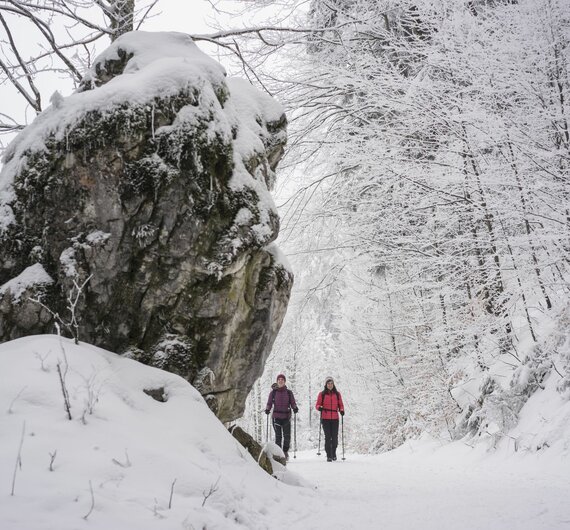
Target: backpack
{"x":289,"y":393}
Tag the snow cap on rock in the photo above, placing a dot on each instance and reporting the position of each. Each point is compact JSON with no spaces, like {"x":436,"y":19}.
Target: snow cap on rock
{"x":281,"y":376}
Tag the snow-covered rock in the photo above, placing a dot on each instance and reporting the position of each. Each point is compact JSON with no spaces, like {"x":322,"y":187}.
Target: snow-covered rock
{"x":153,"y":183}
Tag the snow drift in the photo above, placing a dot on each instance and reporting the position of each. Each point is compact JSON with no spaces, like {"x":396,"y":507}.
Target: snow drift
{"x":125,"y":460}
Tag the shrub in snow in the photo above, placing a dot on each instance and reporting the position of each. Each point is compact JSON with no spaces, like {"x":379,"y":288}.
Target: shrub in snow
{"x":497,"y":411}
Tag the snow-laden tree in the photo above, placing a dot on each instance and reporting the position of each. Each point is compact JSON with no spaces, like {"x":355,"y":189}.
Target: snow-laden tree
{"x":434,"y":205}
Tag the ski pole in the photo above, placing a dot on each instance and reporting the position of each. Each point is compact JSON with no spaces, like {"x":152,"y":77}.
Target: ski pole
{"x":280,"y":436}
{"x":342,"y":434}
{"x":320,"y":427}
{"x":295,"y":436}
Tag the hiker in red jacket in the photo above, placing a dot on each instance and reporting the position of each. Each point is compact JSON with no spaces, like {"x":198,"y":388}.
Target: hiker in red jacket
{"x":282,"y":401}
{"x":329,"y":404}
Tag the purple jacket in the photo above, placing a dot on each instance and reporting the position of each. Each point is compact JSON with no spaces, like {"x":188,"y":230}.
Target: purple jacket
{"x":284,"y":402}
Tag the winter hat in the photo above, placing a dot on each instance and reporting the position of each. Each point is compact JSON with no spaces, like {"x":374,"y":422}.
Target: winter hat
{"x":329,"y":378}
{"x":281,"y":376}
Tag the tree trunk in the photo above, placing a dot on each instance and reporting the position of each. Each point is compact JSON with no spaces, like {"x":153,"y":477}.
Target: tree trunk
{"x":122,"y":16}
{"x":528,"y":230}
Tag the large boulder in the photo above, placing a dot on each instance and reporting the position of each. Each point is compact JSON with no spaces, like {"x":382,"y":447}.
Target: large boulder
{"x":136,"y":214}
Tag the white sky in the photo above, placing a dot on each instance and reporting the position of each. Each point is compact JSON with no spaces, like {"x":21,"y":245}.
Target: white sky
{"x":188,"y":16}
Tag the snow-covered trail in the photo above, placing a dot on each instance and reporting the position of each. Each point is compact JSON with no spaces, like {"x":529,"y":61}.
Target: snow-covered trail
{"x":451,"y":490}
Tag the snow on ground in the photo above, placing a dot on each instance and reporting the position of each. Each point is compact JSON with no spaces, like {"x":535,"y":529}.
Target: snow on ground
{"x":423,"y":487}
{"x":124,"y":457}
{"x":121,"y":443}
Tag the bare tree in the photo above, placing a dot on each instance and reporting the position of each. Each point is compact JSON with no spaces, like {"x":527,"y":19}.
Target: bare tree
{"x":66,"y":32}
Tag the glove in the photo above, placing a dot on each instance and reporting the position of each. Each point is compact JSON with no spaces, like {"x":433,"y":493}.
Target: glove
{"x":267,"y":411}
{"x":342,"y":412}
{"x":320,"y":409}
{"x":295,"y":410}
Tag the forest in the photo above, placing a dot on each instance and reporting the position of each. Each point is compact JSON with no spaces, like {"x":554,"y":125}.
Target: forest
{"x":426,"y":213}
{"x":421,"y":200}
{"x":424,"y":193}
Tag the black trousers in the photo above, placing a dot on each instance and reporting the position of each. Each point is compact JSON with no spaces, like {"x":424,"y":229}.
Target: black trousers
{"x":282,"y":427}
{"x":330,"y":428}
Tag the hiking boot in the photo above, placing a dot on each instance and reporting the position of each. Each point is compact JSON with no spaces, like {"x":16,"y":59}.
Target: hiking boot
{"x":286,"y":455}
{"x":334,"y":458}
{"x":329,"y":459}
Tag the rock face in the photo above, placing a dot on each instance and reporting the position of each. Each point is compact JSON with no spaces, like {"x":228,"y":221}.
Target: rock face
{"x":140,"y":207}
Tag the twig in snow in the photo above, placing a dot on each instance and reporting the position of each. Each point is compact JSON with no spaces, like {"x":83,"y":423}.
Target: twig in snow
{"x":171,"y":493}
{"x":52,"y":458}
{"x":63,"y":352}
{"x":92,"y":390}
{"x":92,"y":502}
{"x":213,"y":489}
{"x":155,"y":510}
{"x":18,"y":459}
{"x":10,"y":411}
{"x":42,"y":359}
{"x":64,"y":391}
{"x":127,"y":461}
{"x":556,"y":369}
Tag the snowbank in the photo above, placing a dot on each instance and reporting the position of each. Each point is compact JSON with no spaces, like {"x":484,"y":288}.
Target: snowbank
{"x":33,"y":275}
{"x":125,"y":460}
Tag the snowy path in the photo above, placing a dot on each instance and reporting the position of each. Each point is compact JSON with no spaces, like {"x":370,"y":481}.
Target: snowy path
{"x":400,"y":490}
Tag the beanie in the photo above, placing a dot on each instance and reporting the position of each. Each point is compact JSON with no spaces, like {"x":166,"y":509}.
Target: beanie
{"x":329,"y":378}
{"x":281,"y":376}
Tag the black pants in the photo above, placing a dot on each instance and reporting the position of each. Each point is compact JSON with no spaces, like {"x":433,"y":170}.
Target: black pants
{"x":330,"y":428}
{"x":282,"y":428}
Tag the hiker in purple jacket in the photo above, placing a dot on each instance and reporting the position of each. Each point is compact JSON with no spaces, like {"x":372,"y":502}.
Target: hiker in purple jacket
{"x":282,"y":401}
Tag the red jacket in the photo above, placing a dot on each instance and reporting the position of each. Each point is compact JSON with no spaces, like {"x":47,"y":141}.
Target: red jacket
{"x":331,"y":403}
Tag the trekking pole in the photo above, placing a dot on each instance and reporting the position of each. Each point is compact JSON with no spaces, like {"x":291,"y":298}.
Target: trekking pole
{"x":342,"y":434}
{"x":320,"y":427}
{"x":267,"y":430}
{"x":295,"y":436}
